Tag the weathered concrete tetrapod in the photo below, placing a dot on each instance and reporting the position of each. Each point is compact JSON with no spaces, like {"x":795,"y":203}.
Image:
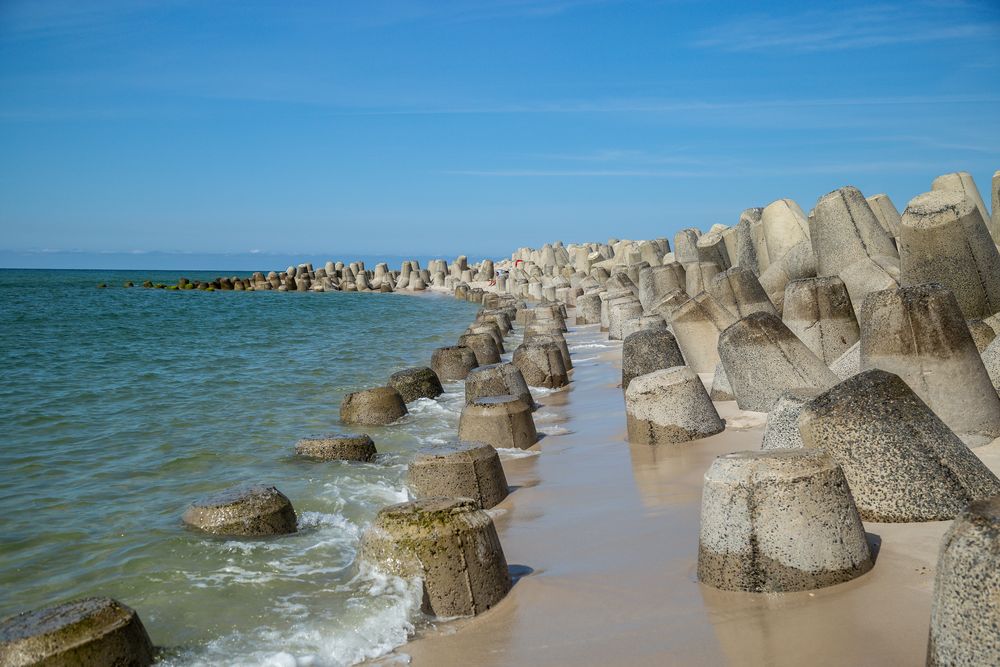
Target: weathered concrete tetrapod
{"x":962,"y":183}
{"x":697,"y":324}
{"x":588,"y":308}
{"x":541,"y":364}
{"x":89,"y":631}
{"x":337,"y":447}
{"x":763,"y":358}
{"x":944,"y":239}
{"x":867,"y":275}
{"x":450,"y":543}
{"x":620,"y":311}
{"x":780,"y":520}
{"x":453,"y":363}
{"x":903,"y":463}
{"x":647,"y":351}
{"x":740,"y":292}
{"x":965,"y":609}
{"x":669,"y":406}
{"x":844,"y":229}
{"x":721,"y":389}
{"x":244,"y":510}
{"x":556,"y":339}
{"x":782,"y":428}
{"x":503,"y":379}
{"x":656,"y":281}
{"x":784,"y":226}
{"x":462,"y":470}
{"x":483,"y":346}
{"x":414,"y":383}
{"x":380,"y":405}
{"x":820,"y":313}
{"x":920,"y":334}
{"x":500,"y":421}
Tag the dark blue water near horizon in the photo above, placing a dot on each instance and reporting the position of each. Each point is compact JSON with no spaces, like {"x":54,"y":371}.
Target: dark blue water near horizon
{"x":121,"y":406}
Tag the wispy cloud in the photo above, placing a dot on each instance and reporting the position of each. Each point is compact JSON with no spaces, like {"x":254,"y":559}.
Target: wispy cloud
{"x":721,"y":170}
{"x":848,"y":27}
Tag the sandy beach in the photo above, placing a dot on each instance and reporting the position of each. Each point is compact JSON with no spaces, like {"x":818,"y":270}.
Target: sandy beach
{"x":604,"y":536}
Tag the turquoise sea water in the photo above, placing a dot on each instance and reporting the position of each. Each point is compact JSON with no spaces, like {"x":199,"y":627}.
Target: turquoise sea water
{"x":120,"y":406}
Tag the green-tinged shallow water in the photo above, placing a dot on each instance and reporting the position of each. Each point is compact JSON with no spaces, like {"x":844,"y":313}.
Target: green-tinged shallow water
{"x":120,"y":406}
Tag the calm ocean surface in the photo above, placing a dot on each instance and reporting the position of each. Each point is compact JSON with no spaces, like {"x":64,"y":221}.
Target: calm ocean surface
{"x":120,"y":406}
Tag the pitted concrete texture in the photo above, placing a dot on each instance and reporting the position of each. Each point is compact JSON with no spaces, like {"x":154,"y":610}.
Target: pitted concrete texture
{"x":782,"y":428}
{"x":920,"y":334}
{"x":785,"y":226}
{"x":740,"y":292}
{"x":844,"y":229}
{"x":669,"y":406}
{"x":80,"y":633}
{"x":450,"y":543}
{"x":902,"y":462}
{"x":556,"y":339}
{"x":982,"y":334}
{"x":799,"y":262}
{"x":965,"y":613}
{"x":819,"y":312}
{"x":656,"y":281}
{"x":944,"y":239}
{"x":460,"y":470}
{"x":699,"y":275}
{"x":500,"y":421}
{"x":763,"y":359}
{"x":780,"y":520}
{"x":962,"y":183}
{"x":337,"y":447}
{"x":414,"y":383}
{"x":542,"y":365}
{"x":991,"y":361}
{"x":490,"y":328}
{"x":503,"y":379}
{"x":483,"y":346}
{"x":867,"y":275}
{"x":849,"y":363}
{"x":712,"y":247}
{"x":642,"y":324}
{"x":697,"y":324}
{"x":245,"y":510}
{"x":381,"y":405}
{"x":620,"y":311}
{"x":721,"y":389}
{"x":647,"y":351}
{"x":453,"y":363}
{"x":666,"y":306}
{"x":886,"y":213}
{"x":588,"y":308}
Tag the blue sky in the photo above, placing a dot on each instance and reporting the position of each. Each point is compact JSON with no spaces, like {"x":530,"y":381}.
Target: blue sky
{"x":332,"y":128}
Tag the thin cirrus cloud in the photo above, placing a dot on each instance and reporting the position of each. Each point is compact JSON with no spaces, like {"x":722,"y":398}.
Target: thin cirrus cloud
{"x":849,"y":27}
{"x":728,"y":171}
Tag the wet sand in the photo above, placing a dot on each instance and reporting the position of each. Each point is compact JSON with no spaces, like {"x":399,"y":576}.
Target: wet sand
{"x":604,"y":535}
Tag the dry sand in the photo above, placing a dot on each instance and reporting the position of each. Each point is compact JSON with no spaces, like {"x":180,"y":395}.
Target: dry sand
{"x":605,"y":535}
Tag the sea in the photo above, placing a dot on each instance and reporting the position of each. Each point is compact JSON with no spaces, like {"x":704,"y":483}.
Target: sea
{"x":121,"y":406}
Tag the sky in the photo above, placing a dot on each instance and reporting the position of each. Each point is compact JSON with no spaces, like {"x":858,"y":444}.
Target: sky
{"x":154,"y":132}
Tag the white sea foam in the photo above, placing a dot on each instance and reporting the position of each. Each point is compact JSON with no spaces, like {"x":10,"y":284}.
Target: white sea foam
{"x":516,"y":453}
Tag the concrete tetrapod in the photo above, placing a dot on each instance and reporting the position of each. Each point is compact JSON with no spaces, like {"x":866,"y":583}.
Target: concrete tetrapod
{"x":450,"y":543}
{"x":483,"y":346}
{"x":647,"y":351}
{"x":462,"y":470}
{"x":491,"y":329}
{"x":89,"y":631}
{"x":453,"y":363}
{"x":620,"y":311}
{"x":557,"y":339}
{"x":656,"y":282}
{"x":503,"y":379}
{"x":740,"y":292}
{"x":588,"y":308}
{"x":867,"y":275}
{"x":781,"y":520}
{"x":903,"y":463}
{"x":844,"y":229}
{"x":820,"y":313}
{"x":782,"y":428}
{"x":414,"y":383}
{"x":669,"y":406}
{"x":944,"y":239}
{"x":965,"y":611}
{"x":962,"y":183}
{"x":919,"y":333}
{"x":337,"y":447}
{"x":721,"y":389}
{"x":697,"y":324}
{"x":380,"y":405}
{"x":763,"y":358}
{"x":541,"y":364}
{"x":991,"y":361}
{"x":784,"y":226}
{"x":505,"y":422}
{"x":244,"y":510}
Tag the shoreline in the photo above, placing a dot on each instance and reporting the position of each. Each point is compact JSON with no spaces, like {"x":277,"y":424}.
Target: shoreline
{"x":603,"y":538}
